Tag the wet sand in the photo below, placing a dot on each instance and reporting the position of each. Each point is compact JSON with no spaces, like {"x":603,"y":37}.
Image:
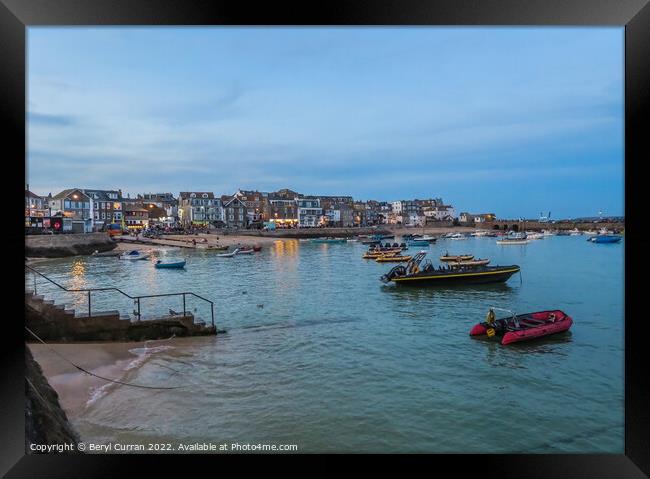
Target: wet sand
{"x":77,"y":389}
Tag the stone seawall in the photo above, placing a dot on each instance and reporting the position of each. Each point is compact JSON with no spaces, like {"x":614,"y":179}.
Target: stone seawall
{"x":61,"y":245}
{"x":560,"y":225}
{"x":46,"y":423}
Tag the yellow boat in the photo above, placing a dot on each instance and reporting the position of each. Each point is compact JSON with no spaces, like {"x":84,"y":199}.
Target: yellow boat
{"x":393,"y":259}
{"x":379,"y":254}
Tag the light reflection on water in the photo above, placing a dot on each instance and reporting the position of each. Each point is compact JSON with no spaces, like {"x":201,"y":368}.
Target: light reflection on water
{"x":321,"y":354}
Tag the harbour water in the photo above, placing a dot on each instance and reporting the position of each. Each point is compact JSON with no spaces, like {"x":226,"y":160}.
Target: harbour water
{"x":319,"y":353}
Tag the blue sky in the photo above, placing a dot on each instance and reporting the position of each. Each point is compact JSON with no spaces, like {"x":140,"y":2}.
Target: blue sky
{"x":513,"y":121}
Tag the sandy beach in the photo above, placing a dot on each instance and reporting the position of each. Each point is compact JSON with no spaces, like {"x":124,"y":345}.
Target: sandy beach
{"x":76,"y":389}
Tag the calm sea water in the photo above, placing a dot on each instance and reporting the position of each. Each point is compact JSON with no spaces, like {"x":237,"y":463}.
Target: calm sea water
{"x":319,"y":353}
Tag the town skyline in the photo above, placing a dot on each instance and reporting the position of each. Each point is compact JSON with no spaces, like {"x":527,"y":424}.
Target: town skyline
{"x":516,"y":121}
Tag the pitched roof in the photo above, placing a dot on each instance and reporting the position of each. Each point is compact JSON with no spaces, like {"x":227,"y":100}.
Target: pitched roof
{"x":227,"y":200}
{"x":65,"y":193}
{"x":197,"y":194}
{"x":29,"y":194}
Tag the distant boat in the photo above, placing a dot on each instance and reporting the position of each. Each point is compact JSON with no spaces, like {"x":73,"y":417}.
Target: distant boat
{"x":134,"y":255}
{"x":329,"y":240}
{"x":417,"y":243}
{"x":513,"y":239}
{"x":458,"y":236}
{"x":170,"y":264}
{"x":244,"y":251}
{"x":430,"y":239}
{"x":227,"y":255}
{"x":605,"y":238}
{"x":211,"y":247}
{"x":461,"y":257}
{"x":575,"y":232}
{"x":534,"y":235}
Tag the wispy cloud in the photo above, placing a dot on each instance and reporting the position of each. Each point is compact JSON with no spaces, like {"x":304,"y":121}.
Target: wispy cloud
{"x":381,"y":113}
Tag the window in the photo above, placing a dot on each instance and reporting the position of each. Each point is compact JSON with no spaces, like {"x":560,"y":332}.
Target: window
{"x":66,"y":204}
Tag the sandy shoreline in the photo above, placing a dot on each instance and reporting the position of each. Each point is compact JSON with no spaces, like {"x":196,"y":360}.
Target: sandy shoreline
{"x":115,"y":361}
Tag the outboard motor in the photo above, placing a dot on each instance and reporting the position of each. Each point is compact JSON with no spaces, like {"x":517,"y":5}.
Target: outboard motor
{"x":398,"y":270}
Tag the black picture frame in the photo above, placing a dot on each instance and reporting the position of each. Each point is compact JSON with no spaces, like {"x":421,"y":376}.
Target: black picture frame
{"x":634,"y":15}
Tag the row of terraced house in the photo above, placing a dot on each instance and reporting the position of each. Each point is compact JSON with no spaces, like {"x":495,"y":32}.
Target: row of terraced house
{"x":86,"y":210}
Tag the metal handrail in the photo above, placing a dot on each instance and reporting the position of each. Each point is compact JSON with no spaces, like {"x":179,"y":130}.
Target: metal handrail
{"x":135,"y":298}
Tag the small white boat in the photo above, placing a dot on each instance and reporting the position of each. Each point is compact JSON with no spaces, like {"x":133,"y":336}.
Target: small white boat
{"x":134,"y":255}
{"x":513,"y":239}
{"x":548,"y":233}
{"x":458,"y":236}
{"x":227,"y":255}
{"x":244,"y":251}
{"x":534,"y":235}
{"x":575,"y":232}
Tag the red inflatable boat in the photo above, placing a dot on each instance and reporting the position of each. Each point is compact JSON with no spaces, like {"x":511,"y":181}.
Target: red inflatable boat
{"x":523,"y":327}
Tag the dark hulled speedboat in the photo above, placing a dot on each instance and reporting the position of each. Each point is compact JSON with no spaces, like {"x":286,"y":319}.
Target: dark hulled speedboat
{"x":415,"y":274}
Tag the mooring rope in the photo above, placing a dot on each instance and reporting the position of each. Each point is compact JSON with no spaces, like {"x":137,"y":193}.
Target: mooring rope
{"x":96,"y":375}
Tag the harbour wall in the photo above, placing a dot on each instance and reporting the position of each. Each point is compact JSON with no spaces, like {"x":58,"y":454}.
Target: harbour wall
{"x":46,"y":423}
{"x":61,"y":245}
{"x":560,"y":225}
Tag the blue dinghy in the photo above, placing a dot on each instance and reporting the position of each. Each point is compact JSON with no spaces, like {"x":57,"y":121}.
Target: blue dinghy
{"x":606,"y":239}
{"x":170,"y":264}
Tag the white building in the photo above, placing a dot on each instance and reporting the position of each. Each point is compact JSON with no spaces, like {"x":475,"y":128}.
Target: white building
{"x":440,"y":213}
{"x":309,"y":212}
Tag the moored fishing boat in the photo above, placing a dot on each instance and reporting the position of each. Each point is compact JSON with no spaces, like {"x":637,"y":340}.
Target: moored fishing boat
{"x":522,"y":327}
{"x":134,"y":255}
{"x":170,"y":264}
{"x":412,"y":274}
{"x":244,"y":251}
